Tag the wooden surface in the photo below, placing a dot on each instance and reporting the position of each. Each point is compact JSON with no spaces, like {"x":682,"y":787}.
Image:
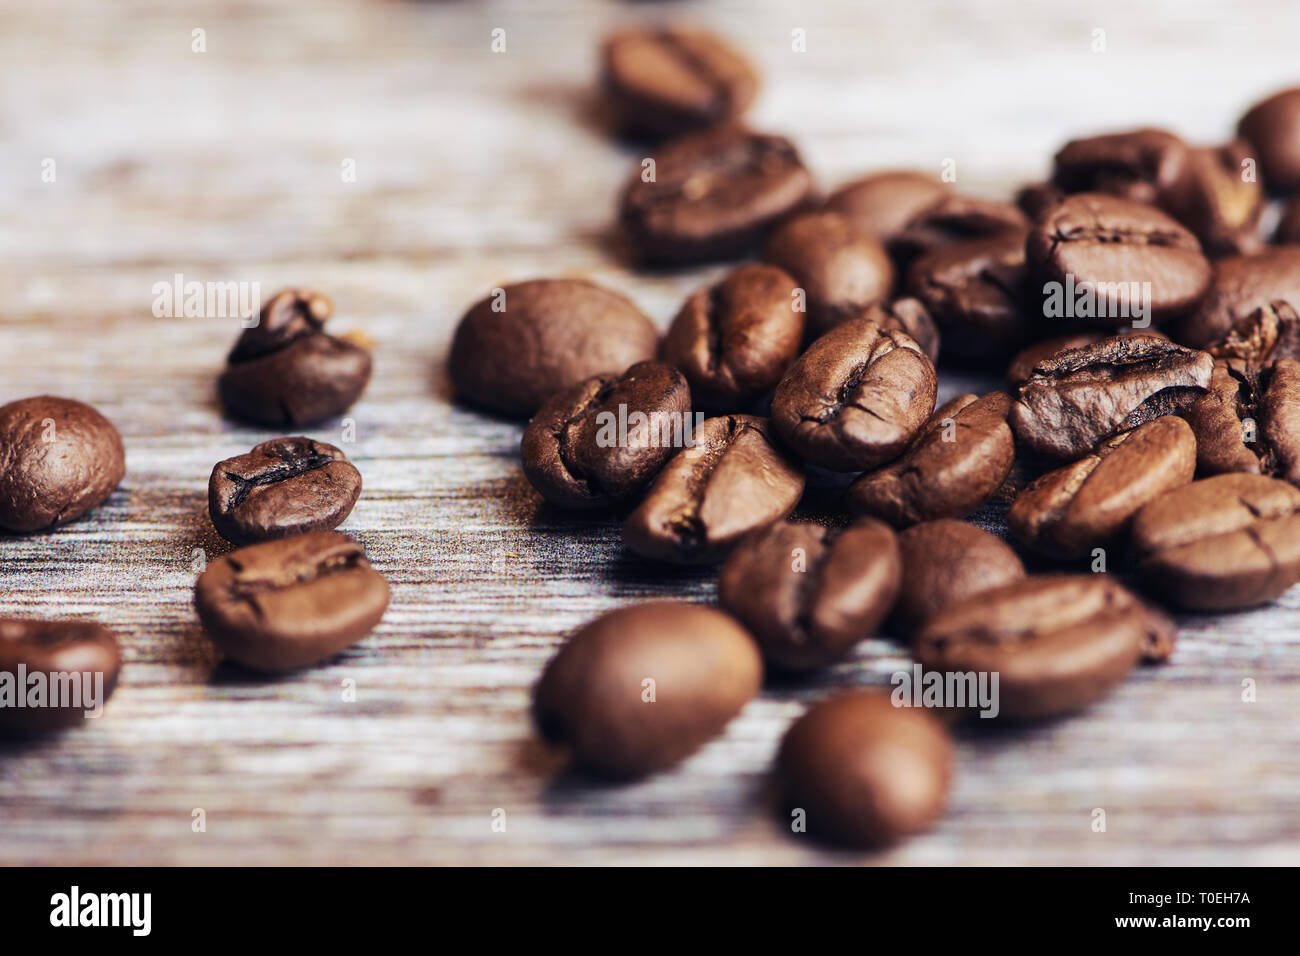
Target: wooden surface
{"x":475,"y":169}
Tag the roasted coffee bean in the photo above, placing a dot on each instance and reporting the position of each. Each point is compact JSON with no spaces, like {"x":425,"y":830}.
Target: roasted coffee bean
{"x":953,"y":218}
{"x":603,"y":440}
{"x":840,"y":267}
{"x":1259,"y":339}
{"x":1249,"y":421}
{"x":1288,"y":227}
{"x":947,"y":561}
{"x":908,"y":315}
{"x":856,"y":398}
{"x":287,"y":371}
{"x":884,"y":203}
{"x":1272,"y":127}
{"x":1057,"y":642}
{"x":54,"y":673}
{"x":641,"y":688}
{"x":522,"y":344}
{"x":1126,"y":262}
{"x":1089,"y":503}
{"x":1036,"y":198}
{"x":976,"y":291}
{"x":1244,"y":285}
{"x":865,"y":773}
{"x":735,"y":478}
{"x":1222,"y":543}
{"x":809,"y":593}
{"x":58,"y":459}
{"x":712,"y":195}
{"x":282,"y":487}
{"x":1022,"y":363}
{"x":285,"y":604}
{"x":959,"y":459}
{"x":735,"y":339}
{"x":1078,"y":397}
{"x":1147,"y":166}
{"x":663,"y":81}
{"x":1224,"y":208}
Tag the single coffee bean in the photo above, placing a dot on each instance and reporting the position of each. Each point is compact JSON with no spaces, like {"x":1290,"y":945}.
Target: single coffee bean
{"x":960,"y":458}
{"x":600,"y":442}
{"x":1089,"y":503}
{"x":1076,"y":398}
{"x":864,"y":772}
{"x":841,"y":267}
{"x":54,"y":673}
{"x":59,"y":458}
{"x":856,"y":398}
{"x":663,"y":81}
{"x":1022,"y":363}
{"x":735,"y":478}
{"x":525,"y":342}
{"x":809,"y":593}
{"x":282,"y":487}
{"x":947,"y":561}
{"x":1035,"y":199}
{"x":641,"y":688}
{"x":1249,"y":421}
{"x":1288,"y":227}
{"x":976,"y":291}
{"x":1222,"y":543}
{"x":908,"y":315}
{"x":1126,"y":262}
{"x":1272,"y":127}
{"x":735,"y":339}
{"x":1147,"y":166}
{"x":1262,"y":337}
{"x":290,"y":603}
{"x":1242,"y":286}
{"x":1057,"y":642}
{"x":287,"y":371}
{"x":884,"y":203}
{"x":1224,"y":208}
{"x":712,"y":195}
{"x":953,"y":218}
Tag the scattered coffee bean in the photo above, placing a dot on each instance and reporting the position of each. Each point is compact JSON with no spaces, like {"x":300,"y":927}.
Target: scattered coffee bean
{"x":286,"y":604}
{"x":1076,"y":398}
{"x":1224,"y":208}
{"x":884,"y":203}
{"x":1222,"y":543}
{"x":1249,"y":421}
{"x":600,"y":442}
{"x":865,"y":773}
{"x":947,"y":561}
{"x":712,"y":195}
{"x":1057,"y":642}
{"x":953,"y":218}
{"x":1147,"y":166}
{"x":1036,"y":198}
{"x":1243,"y":285}
{"x":735,"y":339}
{"x":1089,"y":503}
{"x":856,"y":398}
{"x":1272,"y":127}
{"x":59,"y":458}
{"x":662,"y":81}
{"x":525,"y":342}
{"x":734,"y":479}
{"x":809,"y":593}
{"x":77,"y":662}
{"x":641,"y":688}
{"x":282,"y":487}
{"x":908,"y":315}
{"x":959,"y":459}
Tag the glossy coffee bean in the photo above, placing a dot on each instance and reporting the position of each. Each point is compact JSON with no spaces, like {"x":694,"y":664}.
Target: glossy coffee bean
{"x":841,"y":268}
{"x":1057,"y":642}
{"x":287,"y":371}
{"x":59,"y":458}
{"x":662,"y":81}
{"x":1242,"y":286}
{"x":1224,"y":206}
{"x":1222,"y":543}
{"x":882,"y":204}
{"x":282,"y":487}
{"x":641,"y":688}
{"x":1089,"y":503}
{"x":1148,"y":166}
{"x":712,"y":195}
{"x":290,"y":603}
{"x":864,"y":772}
{"x":908,"y":315}
{"x":959,"y":459}
{"x":600,"y":442}
{"x":735,"y":339}
{"x":945,"y":562}
{"x":1022,"y":363}
{"x":954,"y":218}
{"x":734,"y":479}
{"x":518,"y":347}
{"x":809,"y":593}
{"x":1078,"y":397}
{"x":1249,"y":421}
{"x":52,"y":673}
{"x":1272,"y":127}
{"x":856,"y":398}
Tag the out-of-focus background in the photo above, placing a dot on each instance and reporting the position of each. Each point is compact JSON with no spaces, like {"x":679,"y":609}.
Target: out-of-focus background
{"x":382,"y":153}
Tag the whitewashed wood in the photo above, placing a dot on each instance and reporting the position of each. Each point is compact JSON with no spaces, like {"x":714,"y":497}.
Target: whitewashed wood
{"x":475,"y":169}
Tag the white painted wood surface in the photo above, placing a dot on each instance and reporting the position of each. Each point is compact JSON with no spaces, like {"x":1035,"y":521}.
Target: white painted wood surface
{"x":475,"y":169}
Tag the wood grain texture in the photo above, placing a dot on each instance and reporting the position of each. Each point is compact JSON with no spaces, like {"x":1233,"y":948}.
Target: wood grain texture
{"x":475,"y":169}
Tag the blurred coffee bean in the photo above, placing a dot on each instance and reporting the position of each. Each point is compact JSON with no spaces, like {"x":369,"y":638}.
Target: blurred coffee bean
{"x":953,"y":218}
{"x":947,"y":561}
{"x":884,"y":203}
{"x":1224,"y":207}
{"x":57,"y":672}
{"x":1147,"y":166}
{"x":1272,"y":127}
{"x":1242,"y":286}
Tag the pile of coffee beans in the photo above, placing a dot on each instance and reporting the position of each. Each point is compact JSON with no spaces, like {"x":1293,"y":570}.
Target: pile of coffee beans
{"x":1147,"y":440}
